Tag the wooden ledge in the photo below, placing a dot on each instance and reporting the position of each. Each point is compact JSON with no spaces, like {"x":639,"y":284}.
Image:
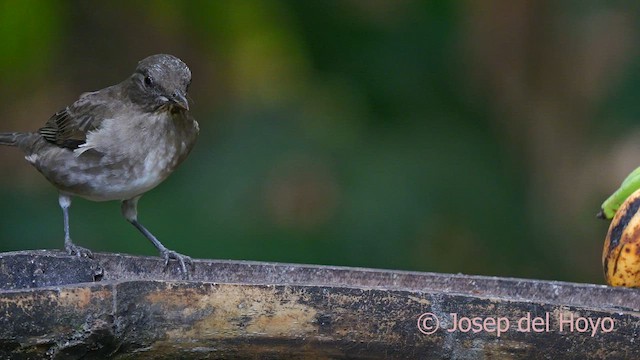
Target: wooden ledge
{"x":120,"y":306}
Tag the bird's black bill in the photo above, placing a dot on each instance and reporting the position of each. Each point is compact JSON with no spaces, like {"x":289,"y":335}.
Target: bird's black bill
{"x":180,"y":101}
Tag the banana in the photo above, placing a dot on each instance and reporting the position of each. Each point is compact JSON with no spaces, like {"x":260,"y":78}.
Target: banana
{"x":613,"y":203}
{"x":621,"y":253}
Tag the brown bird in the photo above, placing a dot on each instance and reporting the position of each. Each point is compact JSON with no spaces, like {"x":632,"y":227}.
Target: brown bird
{"x":117,"y":143}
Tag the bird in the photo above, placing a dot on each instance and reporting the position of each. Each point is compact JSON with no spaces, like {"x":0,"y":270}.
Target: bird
{"x":117,"y":143}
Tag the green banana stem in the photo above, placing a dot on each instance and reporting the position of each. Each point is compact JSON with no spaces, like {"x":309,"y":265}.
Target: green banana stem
{"x":628,"y":187}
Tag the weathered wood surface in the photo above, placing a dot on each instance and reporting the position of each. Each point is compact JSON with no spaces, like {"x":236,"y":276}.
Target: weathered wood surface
{"x":124,"y":307}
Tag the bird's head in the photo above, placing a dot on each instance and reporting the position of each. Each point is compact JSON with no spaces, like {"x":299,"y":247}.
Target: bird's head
{"x":161,"y":82}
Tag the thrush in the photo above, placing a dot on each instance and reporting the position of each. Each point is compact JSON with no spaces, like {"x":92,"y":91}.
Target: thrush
{"x":117,"y":143}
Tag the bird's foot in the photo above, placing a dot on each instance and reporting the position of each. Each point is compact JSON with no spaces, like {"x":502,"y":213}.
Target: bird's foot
{"x":182,"y":259}
{"x":79,"y":251}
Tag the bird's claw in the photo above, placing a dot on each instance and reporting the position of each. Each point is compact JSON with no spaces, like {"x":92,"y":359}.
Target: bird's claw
{"x":79,"y":251}
{"x":182,"y":259}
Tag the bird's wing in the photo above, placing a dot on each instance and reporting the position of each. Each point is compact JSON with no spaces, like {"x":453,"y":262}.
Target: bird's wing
{"x":68,"y":128}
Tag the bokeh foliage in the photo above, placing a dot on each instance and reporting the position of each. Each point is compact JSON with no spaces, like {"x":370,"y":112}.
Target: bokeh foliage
{"x":448,"y":136}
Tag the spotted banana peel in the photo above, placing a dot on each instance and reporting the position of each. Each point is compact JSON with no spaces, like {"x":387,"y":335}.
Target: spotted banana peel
{"x":621,"y":252}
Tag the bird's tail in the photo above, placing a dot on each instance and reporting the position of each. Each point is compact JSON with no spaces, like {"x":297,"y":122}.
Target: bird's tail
{"x":23,"y":140}
{"x":9,"y":138}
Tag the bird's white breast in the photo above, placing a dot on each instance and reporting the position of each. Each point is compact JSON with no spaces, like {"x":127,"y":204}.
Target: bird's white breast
{"x":137,"y":155}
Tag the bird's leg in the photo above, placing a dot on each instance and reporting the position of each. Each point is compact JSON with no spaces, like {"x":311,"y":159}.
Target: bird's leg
{"x":69,"y":246}
{"x":130,"y":212}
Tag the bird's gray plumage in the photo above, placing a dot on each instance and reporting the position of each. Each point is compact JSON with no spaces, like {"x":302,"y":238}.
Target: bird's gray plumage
{"x":118,"y":142}
{"x":9,"y":139}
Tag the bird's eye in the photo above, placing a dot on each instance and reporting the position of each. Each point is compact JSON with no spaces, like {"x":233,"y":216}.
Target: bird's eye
{"x":148,"y":81}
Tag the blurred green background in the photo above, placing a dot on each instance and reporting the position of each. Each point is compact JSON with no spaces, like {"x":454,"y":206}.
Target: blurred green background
{"x":451,"y":136}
